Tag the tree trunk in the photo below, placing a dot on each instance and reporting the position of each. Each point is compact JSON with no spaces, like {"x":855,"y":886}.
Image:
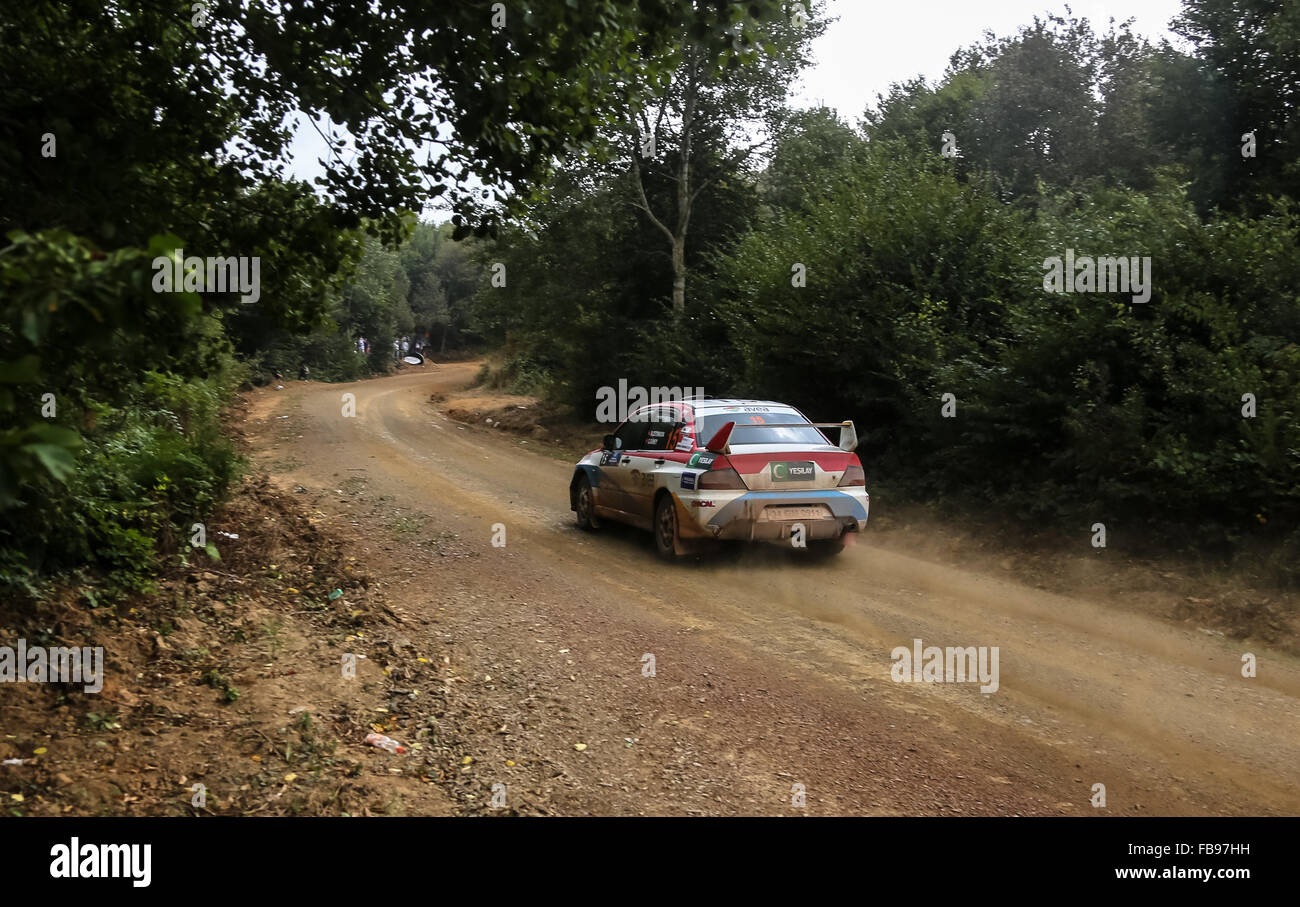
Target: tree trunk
{"x":679,"y":275}
{"x":684,"y":198}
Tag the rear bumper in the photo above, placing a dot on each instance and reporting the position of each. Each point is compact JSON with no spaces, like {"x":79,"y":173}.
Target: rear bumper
{"x":768,"y":515}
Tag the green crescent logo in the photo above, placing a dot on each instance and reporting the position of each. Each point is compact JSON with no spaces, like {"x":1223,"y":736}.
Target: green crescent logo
{"x":797,"y":471}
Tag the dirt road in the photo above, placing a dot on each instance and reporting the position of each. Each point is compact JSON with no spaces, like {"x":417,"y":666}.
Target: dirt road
{"x":770,"y":671}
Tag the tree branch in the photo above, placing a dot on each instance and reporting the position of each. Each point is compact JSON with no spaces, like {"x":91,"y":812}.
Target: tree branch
{"x":640,"y":187}
{"x":729,"y":162}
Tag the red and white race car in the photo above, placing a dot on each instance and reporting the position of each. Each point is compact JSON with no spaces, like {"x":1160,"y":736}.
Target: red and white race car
{"x":724,"y":469}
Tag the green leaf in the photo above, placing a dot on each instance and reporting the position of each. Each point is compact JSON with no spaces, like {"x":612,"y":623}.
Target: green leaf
{"x":31,"y":329}
{"x":56,"y":434}
{"x":58,"y":462}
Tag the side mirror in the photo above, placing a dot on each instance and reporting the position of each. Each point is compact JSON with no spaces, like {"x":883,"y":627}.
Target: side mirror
{"x":608,"y":443}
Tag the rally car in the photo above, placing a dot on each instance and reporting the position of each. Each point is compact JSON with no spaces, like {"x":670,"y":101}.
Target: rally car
{"x":703,"y":469}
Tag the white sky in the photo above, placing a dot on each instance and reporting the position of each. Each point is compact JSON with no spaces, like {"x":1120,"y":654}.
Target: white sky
{"x":874,"y":44}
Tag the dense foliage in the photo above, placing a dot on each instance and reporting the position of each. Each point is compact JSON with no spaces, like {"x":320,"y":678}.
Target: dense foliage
{"x":608,"y":156}
{"x":159,"y":129}
{"x":923,"y":276}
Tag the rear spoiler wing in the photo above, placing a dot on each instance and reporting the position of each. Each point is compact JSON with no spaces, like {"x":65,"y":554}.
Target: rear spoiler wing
{"x":848,"y":432}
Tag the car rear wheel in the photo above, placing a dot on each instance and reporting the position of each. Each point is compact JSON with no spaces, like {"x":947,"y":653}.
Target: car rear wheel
{"x":585,"y":506}
{"x":666,"y":527}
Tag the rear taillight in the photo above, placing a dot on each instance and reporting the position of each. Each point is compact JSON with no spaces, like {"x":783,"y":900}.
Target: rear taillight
{"x":853,"y":476}
{"x":716,"y":479}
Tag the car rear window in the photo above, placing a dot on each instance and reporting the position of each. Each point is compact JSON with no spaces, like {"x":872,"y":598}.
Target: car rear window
{"x":752,"y":427}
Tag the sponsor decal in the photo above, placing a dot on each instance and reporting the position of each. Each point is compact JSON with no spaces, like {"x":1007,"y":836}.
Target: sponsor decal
{"x":655,"y":433}
{"x":703,"y":459}
{"x":804,"y":471}
{"x":685,"y":445}
{"x":688,"y":480}
{"x":701,"y":503}
{"x":610,"y":457}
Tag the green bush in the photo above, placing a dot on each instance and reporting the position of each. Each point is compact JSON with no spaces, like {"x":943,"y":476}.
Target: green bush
{"x":132,"y":453}
{"x":1071,"y":409}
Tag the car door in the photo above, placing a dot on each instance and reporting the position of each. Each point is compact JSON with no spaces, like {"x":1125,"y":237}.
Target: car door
{"x":615,"y":466}
{"x":662,"y":431}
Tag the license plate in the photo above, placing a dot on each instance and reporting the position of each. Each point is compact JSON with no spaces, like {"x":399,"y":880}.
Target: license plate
{"x":819,"y":512}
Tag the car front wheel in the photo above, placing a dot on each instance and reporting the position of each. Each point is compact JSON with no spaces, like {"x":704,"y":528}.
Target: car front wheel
{"x":585,"y":506}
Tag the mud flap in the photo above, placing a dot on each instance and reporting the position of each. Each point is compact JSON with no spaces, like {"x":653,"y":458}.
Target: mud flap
{"x":683,"y":547}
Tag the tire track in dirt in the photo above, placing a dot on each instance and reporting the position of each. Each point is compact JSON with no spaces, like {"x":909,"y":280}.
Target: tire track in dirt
{"x":1145,"y":705}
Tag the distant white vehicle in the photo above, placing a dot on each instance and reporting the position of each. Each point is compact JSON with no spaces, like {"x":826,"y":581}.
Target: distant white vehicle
{"x":724,"y":469}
